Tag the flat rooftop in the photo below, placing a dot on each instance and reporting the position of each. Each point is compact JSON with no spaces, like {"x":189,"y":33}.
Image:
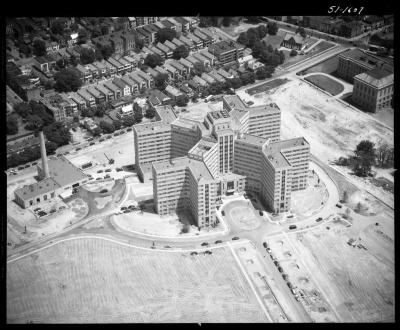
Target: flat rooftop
{"x":252,"y":139}
{"x":197,"y":168}
{"x":167,"y":116}
{"x":63,"y":172}
{"x":201,"y":147}
{"x":42,"y":187}
{"x":368,"y":59}
{"x":273,"y":151}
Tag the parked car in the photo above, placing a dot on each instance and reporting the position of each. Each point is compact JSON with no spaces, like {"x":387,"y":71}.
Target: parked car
{"x":119,"y":169}
{"x":319,"y":219}
{"x":107,"y":176}
{"x":204,"y":244}
{"x":126,"y":211}
{"x":218,"y":242}
{"x":90,"y":139}
{"x":66,"y":153}
{"x":52,"y":211}
{"x":235,"y":238}
{"x":290,"y":216}
{"x":167,"y":247}
{"x":261,"y":213}
{"x":20,"y":168}
{"x":102,"y":191}
{"x":108,"y":137}
{"x":26,"y":166}
{"x":193,"y":253}
{"x":129,"y":129}
{"x":123,"y":208}
{"x":131,"y":207}
{"x":77,"y":149}
{"x":107,"y":170}
{"x":265,"y":244}
{"x":92,"y":143}
{"x":101,"y":140}
{"x":339,"y":205}
{"x":37,"y":209}
{"x":223,"y":212}
{"x":98,"y":179}
{"x":208,"y":252}
{"x":34,"y":163}
{"x":292,"y":227}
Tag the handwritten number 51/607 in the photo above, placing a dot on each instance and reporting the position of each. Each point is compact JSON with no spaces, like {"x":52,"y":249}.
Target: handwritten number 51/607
{"x":347,"y":10}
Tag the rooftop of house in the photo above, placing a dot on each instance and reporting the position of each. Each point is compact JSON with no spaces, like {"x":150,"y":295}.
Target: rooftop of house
{"x":186,"y":62}
{"x":376,"y":77}
{"x":177,"y":42}
{"x":193,"y":37}
{"x":367,"y":59}
{"x":200,"y":57}
{"x":173,"y":91}
{"x":38,"y":188}
{"x":177,"y":65}
{"x":63,"y":172}
{"x":198,"y":169}
{"x":207,"y":54}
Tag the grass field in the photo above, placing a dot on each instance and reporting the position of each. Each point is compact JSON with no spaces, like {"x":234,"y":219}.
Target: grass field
{"x":93,"y":280}
{"x":326,"y":83}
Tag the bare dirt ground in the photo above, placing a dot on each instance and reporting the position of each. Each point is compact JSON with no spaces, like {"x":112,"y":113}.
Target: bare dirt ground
{"x":92,"y":280}
{"x":356,"y":282}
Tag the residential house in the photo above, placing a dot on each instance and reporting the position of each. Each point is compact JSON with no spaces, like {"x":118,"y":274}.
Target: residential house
{"x":111,"y":69}
{"x":166,"y":50}
{"x":214,"y":74}
{"x":89,"y":99}
{"x":200,"y":81}
{"x":141,"y":105}
{"x":148,"y":37}
{"x":158,"y":52}
{"x":172,"y":71}
{"x":41,"y":63}
{"x":204,"y":38}
{"x":101,"y":67}
{"x":195,"y":86}
{"x":149,"y":79}
{"x":161,"y":97}
{"x":226,"y":52}
{"x":168,"y":24}
{"x":196,"y":40}
{"x":84,"y":73}
{"x":208,"y":34}
{"x":80,"y":102}
{"x":177,"y":24}
{"x":114,"y":89}
{"x":188,"y":65}
{"x":98,"y":96}
{"x":108,"y":95}
{"x":127,"y":65}
{"x":133,"y":85}
{"x":152,"y":31}
{"x":133,"y":61}
{"x":178,"y":43}
{"x":209,"y":56}
{"x":187,"y":90}
{"x":294,"y":41}
{"x":184,"y":23}
{"x":182,"y":70}
{"x":119,"y":66}
{"x":189,"y":43}
{"x":140,"y":81}
{"x":123,"y":86}
{"x":202,"y":59}
{"x":125,"y":111}
{"x":207,"y":78}
{"x":71,"y":107}
{"x":96,"y":73}
{"x":52,"y":46}
{"x":174,"y":93}
{"x":170,"y":45}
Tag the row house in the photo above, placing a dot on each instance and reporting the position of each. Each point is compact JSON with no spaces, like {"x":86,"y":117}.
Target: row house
{"x":181,"y":68}
{"x":178,"y":43}
{"x":187,"y":42}
{"x":174,"y":93}
{"x":184,"y":23}
{"x":132,"y":22}
{"x":205,"y":39}
{"x":187,"y":90}
{"x":145,"y":20}
{"x":202,"y":59}
{"x":172,"y":71}
{"x":195,"y":86}
{"x":148,"y":78}
{"x":72,"y":39}
{"x":158,"y":98}
{"x":98,"y":96}
{"x":133,"y":61}
{"x":96,"y":73}
{"x":101,"y":67}
{"x":146,"y":36}
{"x":200,"y":81}
{"x":71,"y":107}
{"x":161,"y":70}
{"x":80,"y":102}
{"x":178,"y":25}
{"x":159,"y":25}
{"x":225,"y":74}
{"x":167,"y":51}
{"x":152,"y":72}
{"x":209,"y":56}
{"x":140,"y":81}
{"x":192,"y":60}
{"x":84,"y":73}
{"x":123,"y":86}
{"x":168,"y":24}
{"x":193,"y":22}
{"x":207,"y":78}
{"x":89,"y":99}
{"x":152,"y":31}
{"x":108,"y":95}
{"x":157,"y":51}
{"x":127,"y":65}
{"x":146,"y":51}
{"x":208,"y":34}
{"x":113,"y":89}
{"x":196,"y":40}
{"x":117,"y":65}
{"x":216,"y":76}
{"x":64,"y":54}
{"x":52,"y":47}
{"x":188,"y":65}
{"x":111,"y":69}
{"x":72,"y":52}
{"x":170,"y":45}
{"x":133,"y":85}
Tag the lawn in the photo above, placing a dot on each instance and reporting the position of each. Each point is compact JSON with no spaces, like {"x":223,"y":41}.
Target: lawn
{"x":91,"y":280}
{"x":326,"y":83}
{"x":267,"y":86}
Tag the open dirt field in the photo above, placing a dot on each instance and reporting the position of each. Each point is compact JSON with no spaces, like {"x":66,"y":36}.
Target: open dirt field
{"x":332,"y":129}
{"x":357,"y":282}
{"x":93,"y":280}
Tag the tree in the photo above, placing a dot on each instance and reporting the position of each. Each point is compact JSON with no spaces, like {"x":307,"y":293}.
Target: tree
{"x":300,"y":30}
{"x":98,"y":55}
{"x":165,"y":34}
{"x":150,"y":112}
{"x":272,"y":28}
{"x":180,"y":51}
{"x":142,"y":207}
{"x":82,"y":37}
{"x":182,"y":101}
{"x":293,"y":52}
{"x":67,"y":80}
{"x":198,"y":68}
{"x":12,"y":125}
{"x":87,"y":112}
{"x":364,"y":158}
{"x":57,"y":27}
{"x":39,"y":47}
{"x":100,"y":110}
{"x":87,"y":55}
{"x":243,"y":39}
{"x":264,"y":72}
{"x":106,"y":126}
{"x":205,"y":21}
{"x":153,"y":60}
{"x":236,"y":83}
{"x":106,"y":51}
{"x":262,"y":31}
{"x":227,"y":21}
{"x":129,"y":121}
{"x":138,"y":116}
{"x":160,"y":80}
{"x":61,"y":63}
{"x":383,"y":154}
{"x":57,"y":133}
{"x":117,"y":124}
{"x":73,"y":61}
{"x":96,"y":132}
{"x":23,"y":109}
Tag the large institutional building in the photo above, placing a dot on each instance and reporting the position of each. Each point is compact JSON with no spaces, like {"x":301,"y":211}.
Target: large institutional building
{"x":236,"y":149}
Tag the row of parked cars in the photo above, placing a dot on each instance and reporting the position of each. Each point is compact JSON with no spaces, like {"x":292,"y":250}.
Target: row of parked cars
{"x":280,"y":269}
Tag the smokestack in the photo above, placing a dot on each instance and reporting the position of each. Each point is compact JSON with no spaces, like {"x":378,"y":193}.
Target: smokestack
{"x":45,"y":165}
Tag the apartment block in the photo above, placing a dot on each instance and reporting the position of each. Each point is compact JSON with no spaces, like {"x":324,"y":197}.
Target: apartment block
{"x":226,"y":52}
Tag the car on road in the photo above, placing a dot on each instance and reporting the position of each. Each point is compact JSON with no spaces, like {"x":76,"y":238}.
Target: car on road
{"x":92,"y":143}
{"x":129,"y":129}
{"x":37,"y":209}
{"x":77,"y":149}
{"x":193,"y":253}
{"x":265,"y":244}
{"x":235,"y":238}
{"x":101,"y":140}
{"x":261,"y":213}
{"x":20,"y":168}
{"x":108,"y":137}
{"x":34,"y":163}
{"x":107,"y":176}
{"x":42,"y":213}
{"x":204,"y":244}
{"x":90,"y":139}
{"x":100,"y":171}
{"x":122,"y":132}
{"x":290,"y":216}
{"x":131,"y":207}
{"x":223,"y":212}
{"x":167,"y":247}
{"x":292,"y":227}
{"x":26,"y":166}
{"x":119,"y":169}
{"x":339,"y":205}
{"x":218,"y":242}
{"x":123,"y":208}
{"x":127,"y":211}
{"x":319,"y":219}
{"x":208,"y":252}
{"x":52,"y":211}
{"x":98,"y":179}
{"x":107,"y":170}
{"x":66,"y":153}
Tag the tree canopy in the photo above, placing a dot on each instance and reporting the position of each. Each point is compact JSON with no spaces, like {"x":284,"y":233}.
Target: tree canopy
{"x":153,"y":60}
{"x":39,"y":47}
{"x":87,"y":55}
{"x":67,"y":80}
{"x":180,"y":51}
{"x":165,"y":34}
